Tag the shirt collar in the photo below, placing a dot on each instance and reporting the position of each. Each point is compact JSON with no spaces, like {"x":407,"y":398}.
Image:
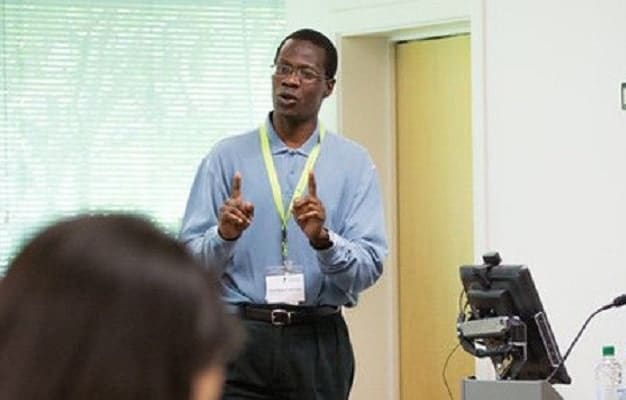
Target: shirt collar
{"x":277,"y":146}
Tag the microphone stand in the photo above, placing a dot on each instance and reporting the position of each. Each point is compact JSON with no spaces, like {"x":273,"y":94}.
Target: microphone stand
{"x":617,"y":302}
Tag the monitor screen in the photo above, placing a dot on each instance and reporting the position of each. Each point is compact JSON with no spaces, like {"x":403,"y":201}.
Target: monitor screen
{"x":507,"y":295}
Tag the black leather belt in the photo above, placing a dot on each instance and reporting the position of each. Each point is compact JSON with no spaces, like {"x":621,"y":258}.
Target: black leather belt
{"x":281,"y":315}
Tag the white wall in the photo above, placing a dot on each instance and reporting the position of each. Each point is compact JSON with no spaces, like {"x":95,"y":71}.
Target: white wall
{"x":550,"y":156}
{"x":556,"y":161}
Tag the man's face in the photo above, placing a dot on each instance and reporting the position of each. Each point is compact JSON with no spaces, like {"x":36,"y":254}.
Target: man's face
{"x":299,"y":83}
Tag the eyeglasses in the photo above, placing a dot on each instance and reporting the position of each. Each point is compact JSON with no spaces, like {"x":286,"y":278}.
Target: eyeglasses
{"x":305,"y":74}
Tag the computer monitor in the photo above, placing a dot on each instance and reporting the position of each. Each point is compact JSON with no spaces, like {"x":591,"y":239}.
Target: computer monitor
{"x":506,"y":322}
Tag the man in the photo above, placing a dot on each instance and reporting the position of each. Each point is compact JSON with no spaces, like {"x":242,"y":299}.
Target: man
{"x":291,"y":217}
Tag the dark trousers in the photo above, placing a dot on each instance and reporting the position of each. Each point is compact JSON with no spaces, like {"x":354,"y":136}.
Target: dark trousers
{"x":312,"y":361}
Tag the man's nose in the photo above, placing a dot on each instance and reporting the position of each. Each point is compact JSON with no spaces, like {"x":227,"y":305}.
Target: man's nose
{"x":292,"y":79}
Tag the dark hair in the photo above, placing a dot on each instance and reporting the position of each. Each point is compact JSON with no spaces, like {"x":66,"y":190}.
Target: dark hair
{"x":321,"y":41}
{"x":108,"y":307}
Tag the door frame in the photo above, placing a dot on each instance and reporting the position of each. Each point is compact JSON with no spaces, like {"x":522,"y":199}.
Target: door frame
{"x":370,"y":57}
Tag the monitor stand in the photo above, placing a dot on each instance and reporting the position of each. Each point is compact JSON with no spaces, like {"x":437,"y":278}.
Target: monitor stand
{"x":508,"y":390}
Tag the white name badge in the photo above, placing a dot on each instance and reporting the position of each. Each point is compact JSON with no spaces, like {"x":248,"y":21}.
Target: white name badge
{"x":285,"y":288}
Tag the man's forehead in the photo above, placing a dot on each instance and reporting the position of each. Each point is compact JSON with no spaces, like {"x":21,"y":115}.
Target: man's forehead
{"x":293,"y":47}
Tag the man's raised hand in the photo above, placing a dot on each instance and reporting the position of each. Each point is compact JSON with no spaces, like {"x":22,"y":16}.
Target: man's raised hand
{"x":309,"y":213}
{"x":235,"y":215}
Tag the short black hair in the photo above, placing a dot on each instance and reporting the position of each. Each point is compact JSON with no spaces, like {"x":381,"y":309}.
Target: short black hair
{"x":321,"y":41}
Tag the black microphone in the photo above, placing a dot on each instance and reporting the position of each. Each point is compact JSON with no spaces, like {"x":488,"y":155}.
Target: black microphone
{"x":617,"y":302}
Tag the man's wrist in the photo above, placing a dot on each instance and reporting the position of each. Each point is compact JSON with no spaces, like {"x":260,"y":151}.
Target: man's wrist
{"x":322,"y":242}
{"x":228,"y":239}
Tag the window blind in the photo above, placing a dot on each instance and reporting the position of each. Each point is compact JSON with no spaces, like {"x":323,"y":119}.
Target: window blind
{"x":110,"y":105}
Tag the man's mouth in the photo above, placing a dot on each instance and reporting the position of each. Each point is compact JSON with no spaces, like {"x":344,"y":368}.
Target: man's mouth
{"x":288,"y":98}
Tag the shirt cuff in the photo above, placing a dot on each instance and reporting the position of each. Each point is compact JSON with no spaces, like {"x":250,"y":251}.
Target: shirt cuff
{"x":227,"y":246}
{"x":334,"y":254}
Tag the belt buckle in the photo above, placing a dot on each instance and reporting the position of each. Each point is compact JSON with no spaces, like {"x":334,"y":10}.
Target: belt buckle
{"x":280,"y":317}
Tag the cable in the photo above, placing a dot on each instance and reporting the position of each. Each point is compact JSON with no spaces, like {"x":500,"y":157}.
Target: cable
{"x":445,"y":364}
{"x":445,"y":367}
{"x":461,"y":307}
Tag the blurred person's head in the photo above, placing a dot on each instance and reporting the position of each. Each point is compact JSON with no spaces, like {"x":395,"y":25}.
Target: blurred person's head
{"x":108,"y":307}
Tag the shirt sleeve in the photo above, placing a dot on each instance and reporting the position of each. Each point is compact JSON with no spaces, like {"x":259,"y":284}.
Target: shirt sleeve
{"x":355,"y":260}
{"x":199,"y":225}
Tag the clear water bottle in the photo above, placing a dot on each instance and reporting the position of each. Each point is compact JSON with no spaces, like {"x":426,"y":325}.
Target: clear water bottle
{"x":608,"y":375}
{"x":622,"y":390}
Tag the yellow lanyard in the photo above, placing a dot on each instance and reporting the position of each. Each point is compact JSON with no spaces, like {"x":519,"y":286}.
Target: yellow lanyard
{"x":276,"y":192}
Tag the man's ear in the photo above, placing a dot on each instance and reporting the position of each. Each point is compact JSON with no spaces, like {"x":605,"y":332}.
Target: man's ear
{"x":330,"y":85}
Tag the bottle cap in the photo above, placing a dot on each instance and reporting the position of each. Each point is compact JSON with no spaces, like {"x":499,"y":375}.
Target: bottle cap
{"x":608,"y":351}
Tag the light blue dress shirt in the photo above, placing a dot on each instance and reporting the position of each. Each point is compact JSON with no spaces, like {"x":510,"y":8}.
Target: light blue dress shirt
{"x":347,"y":185}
